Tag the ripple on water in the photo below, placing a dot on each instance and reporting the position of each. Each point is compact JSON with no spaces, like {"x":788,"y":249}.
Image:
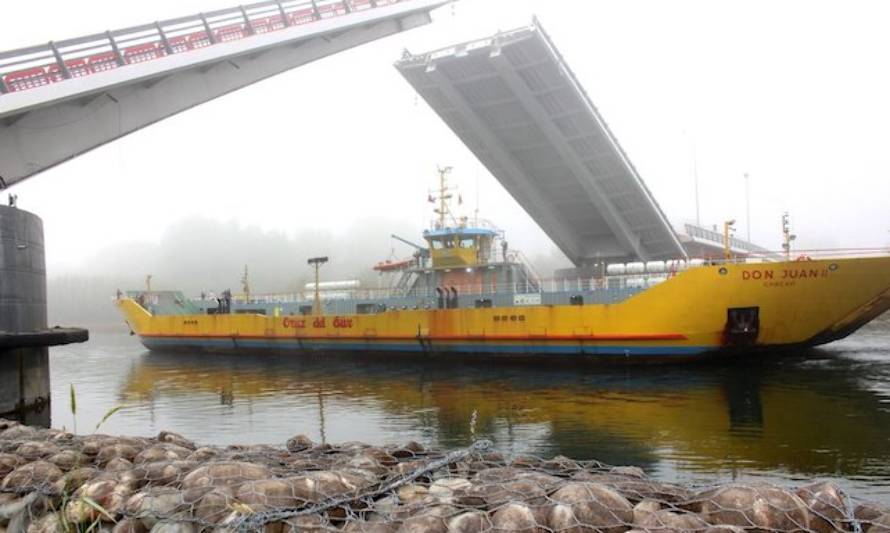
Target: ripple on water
{"x":822,"y":413}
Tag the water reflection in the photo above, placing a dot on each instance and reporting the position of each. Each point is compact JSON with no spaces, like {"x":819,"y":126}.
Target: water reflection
{"x":806,"y":414}
{"x":824,"y":413}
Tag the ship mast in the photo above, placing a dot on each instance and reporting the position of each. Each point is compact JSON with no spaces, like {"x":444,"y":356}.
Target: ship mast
{"x":444,"y":195}
{"x":245,"y":284}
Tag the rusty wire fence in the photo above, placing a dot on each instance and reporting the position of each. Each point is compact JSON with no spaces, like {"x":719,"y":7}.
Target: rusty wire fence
{"x":53,"y":481}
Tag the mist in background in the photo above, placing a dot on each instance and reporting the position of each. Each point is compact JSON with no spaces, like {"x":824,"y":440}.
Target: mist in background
{"x":331,"y":158}
{"x":199,"y":254}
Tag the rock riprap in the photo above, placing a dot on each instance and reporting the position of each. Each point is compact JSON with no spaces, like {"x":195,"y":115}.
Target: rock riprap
{"x":53,"y":481}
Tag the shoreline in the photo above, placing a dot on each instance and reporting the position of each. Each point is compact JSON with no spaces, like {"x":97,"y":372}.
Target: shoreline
{"x":55,"y":481}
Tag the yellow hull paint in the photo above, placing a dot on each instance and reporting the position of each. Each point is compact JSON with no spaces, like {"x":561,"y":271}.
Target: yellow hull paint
{"x":799,"y":303}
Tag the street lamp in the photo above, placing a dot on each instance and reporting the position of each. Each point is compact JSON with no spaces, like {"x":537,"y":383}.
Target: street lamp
{"x":748,"y":204}
{"x":694,"y":176}
{"x":727,"y":236}
{"x":317,"y":262}
{"x":788,"y":237}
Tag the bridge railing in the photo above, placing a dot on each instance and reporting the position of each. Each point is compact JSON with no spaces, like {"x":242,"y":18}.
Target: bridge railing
{"x":57,"y":61}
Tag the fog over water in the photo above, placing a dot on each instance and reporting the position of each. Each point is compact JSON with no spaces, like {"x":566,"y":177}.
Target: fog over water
{"x":789,"y":92}
{"x":199,"y":254}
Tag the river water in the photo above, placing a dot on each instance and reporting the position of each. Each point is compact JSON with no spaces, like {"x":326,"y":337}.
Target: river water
{"x":824,"y":413}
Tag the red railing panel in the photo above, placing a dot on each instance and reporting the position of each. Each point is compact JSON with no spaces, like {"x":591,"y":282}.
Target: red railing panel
{"x":303,"y":16}
{"x":39,"y":76}
{"x":26,"y":79}
{"x":198,"y":40}
{"x":179,"y":44}
{"x":261,"y":25}
{"x":77,"y":68}
{"x":277,"y":23}
{"x":230,"y":33}
{"x":143,"y":52}
{"x":332,"y":10}
{"x":102,"y":62}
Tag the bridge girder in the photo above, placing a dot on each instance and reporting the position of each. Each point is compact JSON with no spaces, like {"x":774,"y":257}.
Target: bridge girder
{"x":45,"y":126}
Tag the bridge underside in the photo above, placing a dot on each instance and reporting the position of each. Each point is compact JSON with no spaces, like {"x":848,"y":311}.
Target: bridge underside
{"x":516,"y":104}
{"x":46,"y":125}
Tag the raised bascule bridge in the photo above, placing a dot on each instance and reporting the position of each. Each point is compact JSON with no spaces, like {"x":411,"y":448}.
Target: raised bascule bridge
{"x":64,"y":98}
{"x":517,"y":105}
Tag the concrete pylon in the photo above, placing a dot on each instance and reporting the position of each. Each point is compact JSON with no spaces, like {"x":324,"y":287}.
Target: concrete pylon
{"x":24,"y":336}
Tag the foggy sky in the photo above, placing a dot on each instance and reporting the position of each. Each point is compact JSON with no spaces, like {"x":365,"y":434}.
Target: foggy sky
{"x":792,"y":92}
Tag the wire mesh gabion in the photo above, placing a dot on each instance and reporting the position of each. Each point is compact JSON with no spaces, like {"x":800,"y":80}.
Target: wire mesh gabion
{"x":54,"y":481}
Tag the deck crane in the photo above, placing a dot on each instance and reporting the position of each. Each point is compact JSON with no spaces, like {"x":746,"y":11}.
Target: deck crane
{"x":424,"y":251}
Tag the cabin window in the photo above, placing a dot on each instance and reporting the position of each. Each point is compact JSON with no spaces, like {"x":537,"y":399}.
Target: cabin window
{"x":576,"y":299}
{"x":368,"y":309}
{"x":468,"y":243}
{"x":437,"y":245}
{"x":305,"y":310}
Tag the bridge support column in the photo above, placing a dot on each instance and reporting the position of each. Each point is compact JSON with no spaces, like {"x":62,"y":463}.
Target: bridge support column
{"x":25,"y":385}
{"x":24,"y":336}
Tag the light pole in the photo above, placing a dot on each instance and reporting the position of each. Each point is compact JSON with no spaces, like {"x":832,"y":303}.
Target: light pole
{"x":317,"y":262}
{"x":787,"y":236}
{"x":748,"y":203}
{"x":727,"y":239}
{"x":694,"y":176}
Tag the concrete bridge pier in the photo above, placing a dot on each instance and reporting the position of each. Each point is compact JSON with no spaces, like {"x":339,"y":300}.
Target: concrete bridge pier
{"x":24,"y":336}
{"x":25,"y":385}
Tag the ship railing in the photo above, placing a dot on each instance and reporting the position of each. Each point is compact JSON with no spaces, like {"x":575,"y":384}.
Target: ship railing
{"x":36,"y":66}
{"x":519,"y":257}
{"x":772,"y":256}
{"x":480,"y":223}
{"x":716,"y":237}
{"x":480,"y":290}
{"x":563,"y":284}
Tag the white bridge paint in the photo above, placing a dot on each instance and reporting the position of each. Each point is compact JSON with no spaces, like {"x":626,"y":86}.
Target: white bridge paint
{"x":45,"y":126}
{"x":517,"y":105}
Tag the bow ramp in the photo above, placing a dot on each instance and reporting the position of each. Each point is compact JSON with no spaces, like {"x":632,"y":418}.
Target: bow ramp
{"x":517,"y":105}
{"x":60,"y":100}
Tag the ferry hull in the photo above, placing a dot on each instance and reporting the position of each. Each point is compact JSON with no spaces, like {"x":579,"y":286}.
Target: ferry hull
{"x":414,"y":346}
{"x":723,"y":309}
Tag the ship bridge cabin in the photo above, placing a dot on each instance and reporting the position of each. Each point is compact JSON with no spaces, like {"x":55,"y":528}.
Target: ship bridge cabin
{"x":470,"y":262}
{"x":460,"y":247}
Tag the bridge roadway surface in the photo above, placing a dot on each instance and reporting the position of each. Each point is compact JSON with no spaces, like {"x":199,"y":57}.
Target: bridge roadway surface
{"x":65,"y":98}
{"x":518,"y":106}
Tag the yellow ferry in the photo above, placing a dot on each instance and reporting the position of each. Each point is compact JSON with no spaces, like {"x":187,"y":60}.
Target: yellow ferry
{"x":466,"y":292}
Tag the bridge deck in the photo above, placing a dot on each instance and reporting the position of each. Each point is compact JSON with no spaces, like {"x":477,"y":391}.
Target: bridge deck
{"x":65,"y":98}
{"x":515,"y":103}
{"x":29,"y":68}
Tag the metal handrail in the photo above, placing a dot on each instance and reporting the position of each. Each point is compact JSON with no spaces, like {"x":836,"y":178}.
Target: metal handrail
{"x":558,"y":285}
{"x":717,"y":238}
{"x":34,"y":66}
{"x":552,"y":285}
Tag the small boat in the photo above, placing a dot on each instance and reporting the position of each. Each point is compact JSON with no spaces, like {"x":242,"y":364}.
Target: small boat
{"x":390,"y":265}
